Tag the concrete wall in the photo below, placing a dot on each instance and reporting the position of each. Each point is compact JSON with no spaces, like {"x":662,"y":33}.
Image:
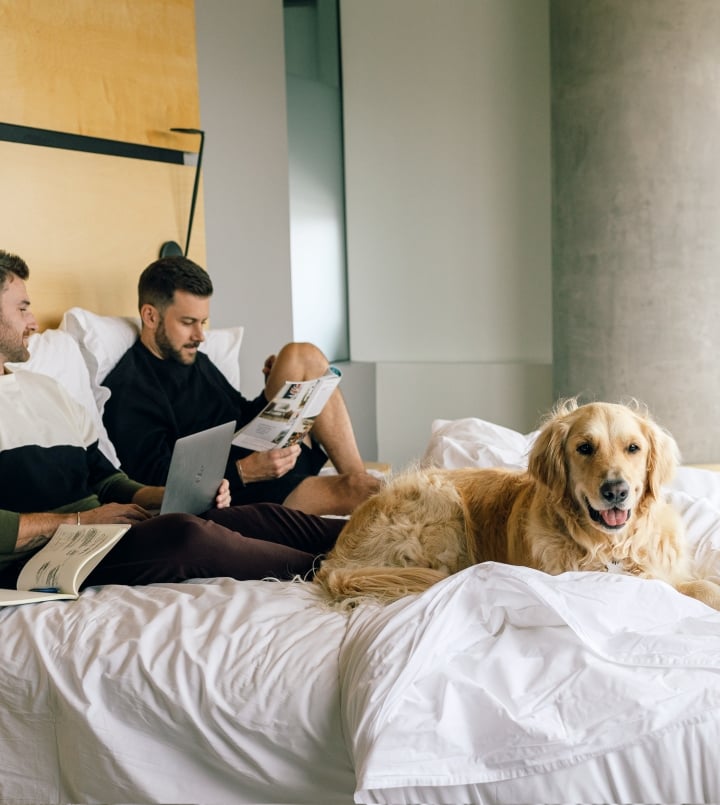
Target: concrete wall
{"x":636,"y":208}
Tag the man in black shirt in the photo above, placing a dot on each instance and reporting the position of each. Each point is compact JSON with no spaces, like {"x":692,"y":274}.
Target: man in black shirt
{"x":164,"y":388}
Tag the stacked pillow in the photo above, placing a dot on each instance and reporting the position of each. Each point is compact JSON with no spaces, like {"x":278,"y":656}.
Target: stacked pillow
{"x":81,"y":353}
{"x":57,"y":354}
{"x":103,"y":340}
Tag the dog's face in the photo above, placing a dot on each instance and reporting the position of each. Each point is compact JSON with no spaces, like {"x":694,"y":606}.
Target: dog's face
{"x":609,"y":459}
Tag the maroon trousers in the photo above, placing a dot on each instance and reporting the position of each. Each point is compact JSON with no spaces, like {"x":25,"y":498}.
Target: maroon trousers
{"x":243,"y":542}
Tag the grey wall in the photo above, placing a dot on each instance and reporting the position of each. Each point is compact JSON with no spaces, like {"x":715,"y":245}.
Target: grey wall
{"x":243,"y":107}
{"x":447,"y":125}
{"x":636,"y":215}
{"x":447,"y":142}
{"x":449,"y":205}
{"x":241,"y":70}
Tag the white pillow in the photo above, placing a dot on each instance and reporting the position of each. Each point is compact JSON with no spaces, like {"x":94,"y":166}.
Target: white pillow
{"x":474,"y":442}
{"x":222,"y":346}
{"x":104,"y":339}
{"x":57,"y":354}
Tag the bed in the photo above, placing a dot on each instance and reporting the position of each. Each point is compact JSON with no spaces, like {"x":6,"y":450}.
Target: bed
{"x":498,"y":685}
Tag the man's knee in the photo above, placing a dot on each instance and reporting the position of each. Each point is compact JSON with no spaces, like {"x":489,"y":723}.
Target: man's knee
{"x":305,"y":353}
{"x":358,"y":486}
{"x":184,"y":529}
{"x":333,"y":494}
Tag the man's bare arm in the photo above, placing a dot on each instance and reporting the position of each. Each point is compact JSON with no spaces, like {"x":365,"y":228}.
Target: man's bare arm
{"x":34,"y":530}
{"x":149,"y":497}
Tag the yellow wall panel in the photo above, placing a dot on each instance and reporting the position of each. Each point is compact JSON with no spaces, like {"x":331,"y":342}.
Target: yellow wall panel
{"x":122,"y":70}
{"x":88,"y":224}
{"x":119,"y":69}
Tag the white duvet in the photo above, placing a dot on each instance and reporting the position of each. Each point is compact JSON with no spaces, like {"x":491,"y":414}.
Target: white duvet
{"x":500,"y":673}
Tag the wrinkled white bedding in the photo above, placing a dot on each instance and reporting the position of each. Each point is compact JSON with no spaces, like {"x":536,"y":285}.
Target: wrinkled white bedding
{"x":213,"y":692}
{"x":501,"y":674}
{"x":498,"y":685}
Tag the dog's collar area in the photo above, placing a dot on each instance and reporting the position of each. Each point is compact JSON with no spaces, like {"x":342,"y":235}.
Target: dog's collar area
{"x":609,"y":518}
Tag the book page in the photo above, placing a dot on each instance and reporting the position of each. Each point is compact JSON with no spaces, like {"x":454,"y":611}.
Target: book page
{"x":290,"y":415}
{"x":9,"y":598}
{"x":69,"y":556}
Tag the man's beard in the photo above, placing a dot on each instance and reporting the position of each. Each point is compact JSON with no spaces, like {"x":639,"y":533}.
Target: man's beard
{"x":12,"y":350}
{"x":168,"y":352}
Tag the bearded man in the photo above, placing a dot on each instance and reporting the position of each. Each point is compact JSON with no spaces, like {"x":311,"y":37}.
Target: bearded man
{"x":164,"y":388}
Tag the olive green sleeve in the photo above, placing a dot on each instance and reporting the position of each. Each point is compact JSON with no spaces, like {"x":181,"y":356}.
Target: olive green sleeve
{"x":116,"y":488}
{"x":9,"y":525}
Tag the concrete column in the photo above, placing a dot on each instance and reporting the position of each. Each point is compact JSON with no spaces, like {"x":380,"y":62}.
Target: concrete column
{"x":636,"y":209}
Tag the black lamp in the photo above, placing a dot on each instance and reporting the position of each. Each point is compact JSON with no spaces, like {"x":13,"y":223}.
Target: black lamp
{"x":172,"y":248}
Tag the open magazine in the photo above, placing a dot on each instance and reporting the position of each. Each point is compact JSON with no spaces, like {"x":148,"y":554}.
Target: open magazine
{"x":58,"y":569}
{"x":288,"y":417}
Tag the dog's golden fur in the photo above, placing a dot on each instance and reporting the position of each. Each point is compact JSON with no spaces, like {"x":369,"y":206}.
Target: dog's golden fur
{"x":589,"y":500}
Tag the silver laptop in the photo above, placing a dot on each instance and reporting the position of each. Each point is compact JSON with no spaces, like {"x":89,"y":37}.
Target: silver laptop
{"x":196,"y":469}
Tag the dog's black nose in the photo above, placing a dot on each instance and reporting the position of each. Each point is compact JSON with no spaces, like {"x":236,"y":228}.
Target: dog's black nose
{"x":615,"y":491}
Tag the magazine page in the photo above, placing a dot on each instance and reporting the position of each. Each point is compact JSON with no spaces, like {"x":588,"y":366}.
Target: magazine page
{"x":60,"y":567}
{"x":290,"y":415}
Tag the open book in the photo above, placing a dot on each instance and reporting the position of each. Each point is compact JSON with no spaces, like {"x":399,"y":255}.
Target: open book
{"x":59,"y":568}
{"x":288,"y":417}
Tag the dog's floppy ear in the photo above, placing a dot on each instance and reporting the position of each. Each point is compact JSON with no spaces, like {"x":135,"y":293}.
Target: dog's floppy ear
{"x":663,"y":457}
{"x":547,"y":457}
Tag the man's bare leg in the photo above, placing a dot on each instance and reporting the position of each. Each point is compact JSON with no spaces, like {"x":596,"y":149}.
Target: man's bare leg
{"x":332,"y":494}
{"x":333,"y":428}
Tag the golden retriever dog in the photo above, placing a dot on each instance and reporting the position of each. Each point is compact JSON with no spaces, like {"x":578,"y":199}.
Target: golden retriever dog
{"x":590,"y":499}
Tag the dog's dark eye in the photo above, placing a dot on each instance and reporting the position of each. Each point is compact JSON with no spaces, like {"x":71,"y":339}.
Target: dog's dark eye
{"x":633,"y":448}
{"x":585,"y":449}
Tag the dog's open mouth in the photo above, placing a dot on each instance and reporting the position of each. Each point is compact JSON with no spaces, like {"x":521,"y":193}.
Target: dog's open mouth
{"x":610,"y":518}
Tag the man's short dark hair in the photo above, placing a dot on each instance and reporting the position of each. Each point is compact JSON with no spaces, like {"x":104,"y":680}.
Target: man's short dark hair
{"x":160,"y":280}
{"x":12,"y":264}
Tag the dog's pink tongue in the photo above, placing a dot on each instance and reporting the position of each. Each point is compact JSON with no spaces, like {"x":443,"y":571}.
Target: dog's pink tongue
{"x":614,"y":517}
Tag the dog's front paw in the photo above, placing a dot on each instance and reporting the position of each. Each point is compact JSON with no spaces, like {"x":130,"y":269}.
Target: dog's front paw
{"x":706,"y":591}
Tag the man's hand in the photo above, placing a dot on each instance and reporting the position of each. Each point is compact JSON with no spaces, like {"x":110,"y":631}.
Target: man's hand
{"x":115,"y":513}
{"x":267,"y":465}
{"x":34,"y":530}
{"x":222,"y":499}
{"x":267,"y":368}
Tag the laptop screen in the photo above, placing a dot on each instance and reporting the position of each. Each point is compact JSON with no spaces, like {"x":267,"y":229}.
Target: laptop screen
{"x":196,"y":469}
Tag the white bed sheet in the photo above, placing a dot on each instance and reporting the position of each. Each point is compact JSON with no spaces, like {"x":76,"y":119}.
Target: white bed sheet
{"x":213,"y":692}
